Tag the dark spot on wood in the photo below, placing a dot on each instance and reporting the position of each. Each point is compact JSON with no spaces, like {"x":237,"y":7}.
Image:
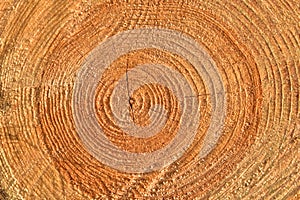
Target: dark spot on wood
{"x":4,"y":104}
{"x":3,"y":194}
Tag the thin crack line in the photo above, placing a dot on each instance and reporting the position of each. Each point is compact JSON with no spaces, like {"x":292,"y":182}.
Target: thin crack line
{"x":129,"y":99}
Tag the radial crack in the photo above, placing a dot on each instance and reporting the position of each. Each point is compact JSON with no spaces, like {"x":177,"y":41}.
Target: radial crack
{"x":129,"y":99}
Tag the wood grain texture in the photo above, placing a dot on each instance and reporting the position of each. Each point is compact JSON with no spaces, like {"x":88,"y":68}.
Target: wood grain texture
{"x":250,"y":58}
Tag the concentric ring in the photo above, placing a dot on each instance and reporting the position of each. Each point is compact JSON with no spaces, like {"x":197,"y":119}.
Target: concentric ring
{"x":254,"y":46}
{"x":90,"y":75}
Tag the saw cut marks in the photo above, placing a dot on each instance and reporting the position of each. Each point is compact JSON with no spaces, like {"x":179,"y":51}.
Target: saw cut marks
{"x":149,"y":99}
